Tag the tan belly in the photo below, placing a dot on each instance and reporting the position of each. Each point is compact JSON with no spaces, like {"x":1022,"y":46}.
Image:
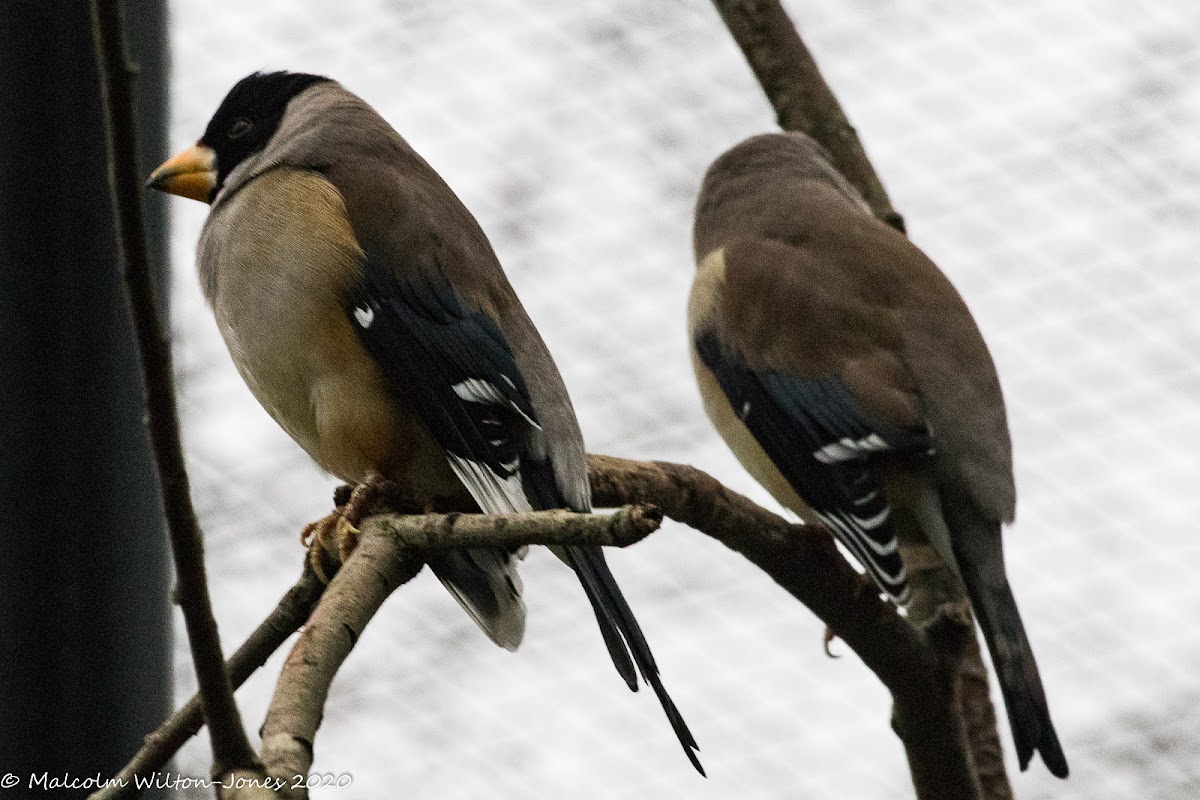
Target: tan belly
{"x":706,"y":289}
{"x":743,"y":444}
{"x":277,"y":286}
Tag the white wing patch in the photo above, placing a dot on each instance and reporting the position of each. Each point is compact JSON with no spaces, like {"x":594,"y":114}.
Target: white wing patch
{"x":494,"y":494}
{"x":861,"y":546}
{"x":847,"y":449}
{"x":364,"y":316}
{"x":873,"y":522}
{"x":476,"y":390}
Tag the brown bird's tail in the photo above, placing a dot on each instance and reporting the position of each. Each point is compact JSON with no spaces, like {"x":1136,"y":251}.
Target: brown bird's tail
{"x":624,"y":637}
{"x":981,"y":562}
{"x":486,"y":584}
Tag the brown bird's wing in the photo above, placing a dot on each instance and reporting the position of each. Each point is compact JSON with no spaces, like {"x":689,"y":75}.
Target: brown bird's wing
{"x":780,"y":188}
{"x":814,"y":373}
{"x":426,"y":253}
{"x":436,"y":312}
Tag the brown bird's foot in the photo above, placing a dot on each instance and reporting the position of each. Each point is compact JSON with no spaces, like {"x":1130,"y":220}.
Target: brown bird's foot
{"x":865,"y":585}
{"x":331,"y":539}
{"x":827,"y":640}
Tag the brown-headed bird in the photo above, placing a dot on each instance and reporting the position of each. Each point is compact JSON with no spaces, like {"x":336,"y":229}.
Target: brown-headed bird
{"x":365,"y":308}
{"x":847,"y":375}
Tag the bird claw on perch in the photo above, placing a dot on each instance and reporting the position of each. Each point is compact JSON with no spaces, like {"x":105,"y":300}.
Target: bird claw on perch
{"x":331,"y":539}
{"x":866,"y":584}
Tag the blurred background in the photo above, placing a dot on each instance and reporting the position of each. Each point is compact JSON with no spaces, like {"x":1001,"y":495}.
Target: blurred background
{"x":1044,"y":152}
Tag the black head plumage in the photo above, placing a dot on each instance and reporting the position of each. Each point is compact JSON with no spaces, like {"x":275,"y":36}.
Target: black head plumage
{"x":250,"y":114}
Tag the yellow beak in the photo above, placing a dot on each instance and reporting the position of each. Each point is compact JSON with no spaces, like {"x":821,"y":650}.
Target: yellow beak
{"x":192,"y":174}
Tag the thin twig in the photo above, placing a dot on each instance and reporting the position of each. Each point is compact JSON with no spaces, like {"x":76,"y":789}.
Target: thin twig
{"x":231,"y":748}
{"x":287,"y":617}
{"x":624,"y":527}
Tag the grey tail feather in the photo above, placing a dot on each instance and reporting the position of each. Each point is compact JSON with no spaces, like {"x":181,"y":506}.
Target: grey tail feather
{"x":624,"y":637}
{"x":486,"y":584}
{"x":981,"y":561}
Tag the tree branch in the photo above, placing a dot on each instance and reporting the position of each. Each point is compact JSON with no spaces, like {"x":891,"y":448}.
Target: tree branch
{"x":375,"y":569}
{"x":801,"y":559}
{"x":389,"y":554}
{"x":425,"y":532}
{"x":799,"y":94}
{"x":292,"y":611}
{"x":804,"y":102}
{"x":231,"y":748}
{"x":919,"y":670}
{"x":455,"y":531}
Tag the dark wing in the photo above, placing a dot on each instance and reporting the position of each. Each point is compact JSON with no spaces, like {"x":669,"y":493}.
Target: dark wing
{"x":822,"y":441}
{"x":456,"y":369}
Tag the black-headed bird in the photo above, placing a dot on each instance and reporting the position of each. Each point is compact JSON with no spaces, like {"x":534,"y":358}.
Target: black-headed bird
{"x":847,"y":375}
{"x":365,"y":309}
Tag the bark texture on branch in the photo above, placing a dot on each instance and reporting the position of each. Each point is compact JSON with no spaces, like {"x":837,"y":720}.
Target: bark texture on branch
{"x":377,"y":567}
{"x":161,"y":745}
{"x":626,"y":526}
{"x":799,"y":94}
{"x":919,"y":670}
{"x":231,"y":748}
{"x":389,"y":554}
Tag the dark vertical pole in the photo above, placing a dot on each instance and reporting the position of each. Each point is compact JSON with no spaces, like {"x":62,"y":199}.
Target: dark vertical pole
{"x":84,"y":615}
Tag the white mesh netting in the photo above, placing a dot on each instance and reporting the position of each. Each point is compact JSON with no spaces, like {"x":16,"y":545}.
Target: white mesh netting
{"x":1044,"y":153}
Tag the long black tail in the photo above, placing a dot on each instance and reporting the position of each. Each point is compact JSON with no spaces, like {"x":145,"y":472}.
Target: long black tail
{"x":624,"y":638}
{"x":981,"y":561}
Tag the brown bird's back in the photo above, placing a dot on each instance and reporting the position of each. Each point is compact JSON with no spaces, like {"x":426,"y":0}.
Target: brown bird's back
{"x":846,"y":373}
{"x":777,"y":191}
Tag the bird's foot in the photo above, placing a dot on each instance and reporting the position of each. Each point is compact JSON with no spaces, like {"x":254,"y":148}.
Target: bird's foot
{"x":827,"y":640}
{"x":331,"y":539}
{"x":865,"y":585}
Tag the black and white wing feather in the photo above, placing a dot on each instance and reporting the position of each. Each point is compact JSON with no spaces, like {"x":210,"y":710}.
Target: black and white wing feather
{"x":822,"y":442}
{"x":454,"y":369}
{"x":454,"y":366}
{"x":459,"y":375}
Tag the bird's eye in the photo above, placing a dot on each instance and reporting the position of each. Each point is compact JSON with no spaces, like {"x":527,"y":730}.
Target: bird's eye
{"x":240,"y":127}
